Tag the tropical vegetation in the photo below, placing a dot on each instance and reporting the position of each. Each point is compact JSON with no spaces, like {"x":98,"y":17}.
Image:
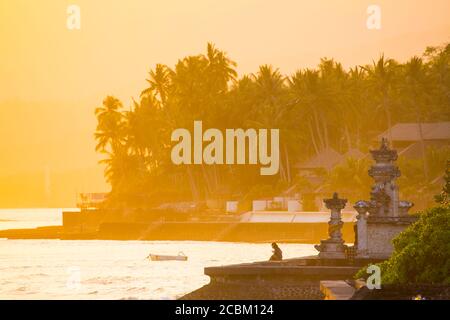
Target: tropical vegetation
{"x":314,"y":108}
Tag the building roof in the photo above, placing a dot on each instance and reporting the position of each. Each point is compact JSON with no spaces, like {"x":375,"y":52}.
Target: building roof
{"x":411,"y":132}
{"x":327,"y":159}
{"x":354,"y":154}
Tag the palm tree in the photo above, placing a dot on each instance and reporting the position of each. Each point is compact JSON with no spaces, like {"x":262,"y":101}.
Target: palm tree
{"x":381,"y":78}
{"x":110,"y":125}
{"x":415,"y":86}
{"x":335,"y":107}
{"x":159,"y":82}
{"x":271,"y":110}
{"x":308,"y":91}
{"x":270,"y":84}
{"x":145,"y":131}
{"x":221,"y":68}
{"x":359,"y":118}
{"x":353,"y":170}
{"x":239,"y":103}
{"x":439,"y":64}
{"x":314,"y":109}
{"x":124,"y":171}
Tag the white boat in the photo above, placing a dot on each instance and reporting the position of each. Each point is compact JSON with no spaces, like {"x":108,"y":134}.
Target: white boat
{"x":158,"y":257}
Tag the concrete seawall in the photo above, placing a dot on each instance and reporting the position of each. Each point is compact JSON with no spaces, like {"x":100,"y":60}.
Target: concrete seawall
{"x":115,"y":225}
{"x":196,"y":231}
{"x":51,"y":232}
{"x":221,"y":231}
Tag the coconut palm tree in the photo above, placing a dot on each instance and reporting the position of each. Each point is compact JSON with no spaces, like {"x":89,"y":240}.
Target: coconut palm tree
{"x":145,"y":131}
{"x":124,"y":171}
{"x":307,"y":90}
{"x":159,"y":82}
{"x":439,"y":63}
{"x":381,"y":79}
{"x":414,"y":86}
{"x":314,"y":109}
{"x":110,"y":126}
{"x":350,"y":177}
{"x":221,"y":69}
{"x":360,"y":115}
{"x":271,"y":109}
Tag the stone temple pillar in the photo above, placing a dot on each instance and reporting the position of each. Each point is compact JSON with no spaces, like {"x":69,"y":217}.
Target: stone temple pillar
{"x":333,"y":247}
{"x":361,"y":229}
{"x":387,"y":215}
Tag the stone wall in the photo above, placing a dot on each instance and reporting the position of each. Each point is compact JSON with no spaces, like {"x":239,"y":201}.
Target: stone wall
{"x":294,"y":279}
{"x":255,"y":291}
{"x":380,"y":235}
{"x":380,"y":239}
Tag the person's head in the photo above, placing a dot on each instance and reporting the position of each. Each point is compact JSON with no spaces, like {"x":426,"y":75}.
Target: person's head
{"x":274,"y":245}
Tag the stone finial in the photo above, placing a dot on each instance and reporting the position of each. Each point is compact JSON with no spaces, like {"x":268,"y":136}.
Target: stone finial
{"x":404,"y":207}
{"x":384,"y":144}
{"x":333,"y":247}
{"x":335,"y":202}
{"x":384,"y":154}
{"x":361,"y":207}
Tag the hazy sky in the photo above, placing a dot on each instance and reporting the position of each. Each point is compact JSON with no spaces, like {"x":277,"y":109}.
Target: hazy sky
{"x":52,"y":78}
{"x":119,"y":40}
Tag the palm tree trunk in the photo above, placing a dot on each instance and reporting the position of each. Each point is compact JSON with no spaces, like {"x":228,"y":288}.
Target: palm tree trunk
{"x":288,"y":169}
{"x":347,"y":135}
{"x":206,"y":179}
{"x":388,"y":116}
{"x":282,"y":171}
{"x":313,"y":138}
{"x":422,"y":141}
{"x":325,"y":130}
{"x":192,"y":183}
{"x":317,"y":124}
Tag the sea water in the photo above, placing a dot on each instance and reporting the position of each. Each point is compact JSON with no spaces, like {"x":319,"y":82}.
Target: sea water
{"x":99,"y":269}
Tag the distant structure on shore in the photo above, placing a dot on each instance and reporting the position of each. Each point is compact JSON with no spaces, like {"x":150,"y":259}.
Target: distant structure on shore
{"x":409,"y":138}
{"x":90,"y":200}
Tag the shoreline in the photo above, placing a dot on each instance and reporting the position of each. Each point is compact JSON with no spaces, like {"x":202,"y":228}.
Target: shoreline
{"x":307,"y":233}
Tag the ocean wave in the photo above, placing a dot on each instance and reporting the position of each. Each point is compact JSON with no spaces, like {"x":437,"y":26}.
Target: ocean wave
{"x":21,"y":289}
{"x":137,"y":289}
{"x":109,"y":280}
{"x":38,"y":269}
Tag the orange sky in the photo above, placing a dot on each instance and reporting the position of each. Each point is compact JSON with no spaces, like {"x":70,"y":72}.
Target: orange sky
{"x":52,"y":78}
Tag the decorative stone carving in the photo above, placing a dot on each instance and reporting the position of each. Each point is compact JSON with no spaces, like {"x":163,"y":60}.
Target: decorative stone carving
{"x":378,"y":221}
{"x":384,"y":195}
{"x":333,"y":247}
{"x":384,"y":216}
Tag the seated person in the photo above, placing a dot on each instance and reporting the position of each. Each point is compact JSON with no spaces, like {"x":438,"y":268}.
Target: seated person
{"x":277,"y":253}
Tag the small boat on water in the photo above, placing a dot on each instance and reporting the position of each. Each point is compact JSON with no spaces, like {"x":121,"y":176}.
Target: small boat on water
{"x":158,"y":257}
